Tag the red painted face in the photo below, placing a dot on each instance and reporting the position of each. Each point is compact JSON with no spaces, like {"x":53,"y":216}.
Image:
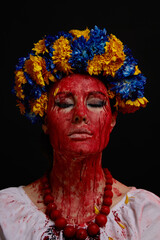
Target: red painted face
{"x":79,"y":117}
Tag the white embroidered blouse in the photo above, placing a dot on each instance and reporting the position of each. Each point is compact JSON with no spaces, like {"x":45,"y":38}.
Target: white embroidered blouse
{"x":135,"y":217}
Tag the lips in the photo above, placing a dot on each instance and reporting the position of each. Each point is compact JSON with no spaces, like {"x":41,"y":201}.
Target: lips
{"x":80,"y":134}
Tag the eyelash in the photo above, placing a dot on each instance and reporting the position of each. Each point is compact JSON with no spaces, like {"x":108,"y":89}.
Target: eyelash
{"x":97,"y":105}
{"x":63,"y":105}
{"x":93,"y":105}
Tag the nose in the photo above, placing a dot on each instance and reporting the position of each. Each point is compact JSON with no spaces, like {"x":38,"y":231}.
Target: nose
{"x":79,"y":114}
{"x":79,"y":119}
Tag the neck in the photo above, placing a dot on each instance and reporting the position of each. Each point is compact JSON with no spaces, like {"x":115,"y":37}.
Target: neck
{"x":77,"y":186}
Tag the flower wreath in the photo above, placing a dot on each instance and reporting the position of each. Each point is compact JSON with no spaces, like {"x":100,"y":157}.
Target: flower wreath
{"x":94,"y":52}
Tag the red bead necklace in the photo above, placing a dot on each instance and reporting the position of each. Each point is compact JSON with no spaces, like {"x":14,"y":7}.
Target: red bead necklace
{"x":77,"y":232}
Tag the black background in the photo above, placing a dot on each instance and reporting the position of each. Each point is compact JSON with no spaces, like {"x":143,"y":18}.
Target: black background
{"x":133,"y":152}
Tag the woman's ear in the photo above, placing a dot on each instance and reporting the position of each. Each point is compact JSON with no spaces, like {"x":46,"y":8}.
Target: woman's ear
{"x":113,"y":121}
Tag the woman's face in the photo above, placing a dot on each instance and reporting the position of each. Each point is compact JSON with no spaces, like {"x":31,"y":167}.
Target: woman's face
{"x":79,"y":117}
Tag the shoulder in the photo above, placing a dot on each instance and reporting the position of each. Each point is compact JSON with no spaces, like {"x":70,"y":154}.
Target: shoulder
{"x":141,"y":193}
{"x":147,"y":208}
{"x":136,"y":216}
{"x":11,"y":200}
{"x":138,"y":198}
{"x":143,"y":210}
{"x":147,"y":201}
{"x":19,"y":217}
{"x":11,"y":204}
{"x":10,"y":195}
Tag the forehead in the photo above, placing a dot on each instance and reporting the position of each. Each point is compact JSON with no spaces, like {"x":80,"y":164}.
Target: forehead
{"x":79,"y":83}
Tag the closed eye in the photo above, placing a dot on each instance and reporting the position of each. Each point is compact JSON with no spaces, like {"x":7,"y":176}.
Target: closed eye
{"x":63,"y":104}
{"x":96,"y":103}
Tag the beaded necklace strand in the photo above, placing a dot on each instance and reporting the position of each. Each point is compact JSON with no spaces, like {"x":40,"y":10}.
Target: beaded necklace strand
{"x":72,"y":231}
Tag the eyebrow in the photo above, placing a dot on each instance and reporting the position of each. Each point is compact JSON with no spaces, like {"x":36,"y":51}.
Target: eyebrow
{"x":97,"y":92}
{"x":69,"y":94}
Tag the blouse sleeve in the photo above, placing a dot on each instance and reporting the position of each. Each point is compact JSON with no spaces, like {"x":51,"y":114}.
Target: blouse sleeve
{"x":150,"y":217}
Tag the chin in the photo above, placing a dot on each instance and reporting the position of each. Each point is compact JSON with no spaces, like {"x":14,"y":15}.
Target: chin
{"x":80,"y":148}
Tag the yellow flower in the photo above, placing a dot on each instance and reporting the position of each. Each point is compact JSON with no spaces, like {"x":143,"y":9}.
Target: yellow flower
{"x":19,"y":80}
{"x":111,"y":94}
{"x":55,"y":92}
{"x":79,"y":33}
{"x":110,"y":61}
{"x":130,"y":106}
{"x":61,"y":54}
{"x":39,"y":106}
{"x":139,"y":102}
{"x":114,"y":56}
{"x":50,"y":77}
{"x":19,"y":92}
{"x":95,"y":65}
{"x":21,"y":107}
{"x":35,"y":67}
{"x":19,"y":77}
{"x":137,"y":71}
{"x":47,"y":76}
{"x":40,"y":47}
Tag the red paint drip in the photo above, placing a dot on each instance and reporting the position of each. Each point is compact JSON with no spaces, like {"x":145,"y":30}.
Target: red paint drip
{"x":117,"y":192}
{"x":116,"y":218}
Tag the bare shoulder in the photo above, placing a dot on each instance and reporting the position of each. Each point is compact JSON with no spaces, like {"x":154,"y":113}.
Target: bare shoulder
{"x":34,"y":192}
{"x":119,"y":191}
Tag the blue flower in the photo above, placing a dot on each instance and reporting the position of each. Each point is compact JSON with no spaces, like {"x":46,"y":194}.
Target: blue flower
{"x":49,"y":64}
{"x":80,"y":54}
{"x":96,"y":32}
{"x":33,"y":118}
{"x":131,"y":87}
{"x":83,"y":50}
{"x":97,"y":41}
{"x":64,"y":34}
{"x":21,"y":62}
{"x":31,"y":90}
{"x":59,"y":75}
{"x":128,"y":67}
{"x":49,"y":45}
{"x":49,"y":40}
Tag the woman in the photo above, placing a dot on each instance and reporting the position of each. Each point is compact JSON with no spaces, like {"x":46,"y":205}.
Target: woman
{"x":78,"y":199}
